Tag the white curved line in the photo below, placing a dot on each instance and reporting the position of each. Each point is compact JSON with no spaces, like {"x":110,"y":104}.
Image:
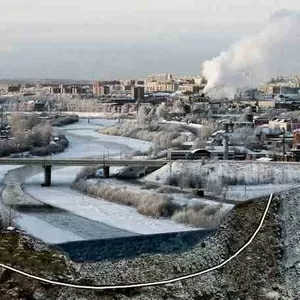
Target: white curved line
{"x":149,"y":284}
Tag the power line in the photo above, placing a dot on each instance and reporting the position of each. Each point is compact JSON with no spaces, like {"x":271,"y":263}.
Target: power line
{"x":149,"y":284}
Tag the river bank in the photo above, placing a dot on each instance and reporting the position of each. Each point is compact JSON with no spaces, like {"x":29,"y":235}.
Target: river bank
{"x":78,"y":214}
{"x":267,"y":269}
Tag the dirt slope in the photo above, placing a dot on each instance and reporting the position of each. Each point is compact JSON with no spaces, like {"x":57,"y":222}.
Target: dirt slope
{"x":268,"y":269}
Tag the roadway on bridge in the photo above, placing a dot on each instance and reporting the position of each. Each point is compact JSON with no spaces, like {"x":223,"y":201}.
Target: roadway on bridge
{"x":83,"y":162}
{"x":111,"y":162}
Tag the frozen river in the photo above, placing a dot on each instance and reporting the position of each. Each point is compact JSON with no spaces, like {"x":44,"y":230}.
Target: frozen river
{"x":76,"y":216}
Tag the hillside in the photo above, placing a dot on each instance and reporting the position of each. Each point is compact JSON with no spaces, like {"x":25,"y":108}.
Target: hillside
{"x":266,"y":270}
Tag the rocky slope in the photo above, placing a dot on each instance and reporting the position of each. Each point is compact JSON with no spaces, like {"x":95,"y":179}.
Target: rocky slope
{"x":267,"y":269}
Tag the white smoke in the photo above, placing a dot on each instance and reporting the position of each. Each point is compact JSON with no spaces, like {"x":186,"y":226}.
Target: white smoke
{"x":254,"y":60}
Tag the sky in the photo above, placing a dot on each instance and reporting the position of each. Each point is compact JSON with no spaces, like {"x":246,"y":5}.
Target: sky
{"x":97,"y":39}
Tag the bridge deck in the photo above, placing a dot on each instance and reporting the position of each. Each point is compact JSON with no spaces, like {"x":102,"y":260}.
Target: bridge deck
{"x":111,"y":162}
{"x":48,"y":161}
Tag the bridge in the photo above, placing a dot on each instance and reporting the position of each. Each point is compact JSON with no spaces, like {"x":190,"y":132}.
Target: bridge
{"x":105,"y":163}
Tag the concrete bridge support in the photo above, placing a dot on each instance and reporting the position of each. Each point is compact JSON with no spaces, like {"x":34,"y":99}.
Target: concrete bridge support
{"x":106,"y":172}
{"x":47,"y":176}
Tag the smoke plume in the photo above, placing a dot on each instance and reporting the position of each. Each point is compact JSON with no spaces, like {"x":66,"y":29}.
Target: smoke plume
{"x":256,"y":59}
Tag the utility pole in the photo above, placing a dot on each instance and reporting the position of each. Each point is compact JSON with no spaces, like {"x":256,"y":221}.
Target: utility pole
{"x":1,"y":108}
{"x":283,"y":143}
{"x":226,"y":146}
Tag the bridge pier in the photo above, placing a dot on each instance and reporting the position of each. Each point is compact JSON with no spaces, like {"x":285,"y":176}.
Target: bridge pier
{"x":106,"y":172}
{"x":47,"y":176}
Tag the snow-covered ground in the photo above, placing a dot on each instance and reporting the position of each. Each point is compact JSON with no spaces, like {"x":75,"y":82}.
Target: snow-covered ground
{"x":245,"y":192}
{"x":177,"y":197}
{"x":98,"y":115}
{"x":120,"y":216}
{"x":194,"y":125}
{"x":85,"y":141}
{"x":254,"y":179}
{"x":4,"y":170}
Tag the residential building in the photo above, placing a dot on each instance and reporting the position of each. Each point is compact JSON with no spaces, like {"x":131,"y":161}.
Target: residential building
{"x":99,"y":89}
{"x":137,"y":92}
{"x":192,"y":88}
{"x":165,"y":77}
{"x":281,"y":124}
{"x":153,"y":87}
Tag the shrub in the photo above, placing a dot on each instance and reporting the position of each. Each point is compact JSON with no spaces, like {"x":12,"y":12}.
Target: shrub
{"x":81,"y":185}
{"x":153,"y":205}
{"x":148,"y":186}
{"x":63,"y":141}
{"x":187,"y":181}
{"x":167,"y":190}
{"x":64,"y":120}
{"x":209,"y":216}
{"x":156,"y":206}
{"x":48,"y":150}
{"x":173,"y":180}
{"x":86,"y":173}
{"x":111,"y":131}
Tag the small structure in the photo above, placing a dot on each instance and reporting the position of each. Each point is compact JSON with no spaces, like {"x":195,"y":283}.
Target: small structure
{"x":296,"y":136}
{"x":199,"y":154}
{"x":282,"y":124}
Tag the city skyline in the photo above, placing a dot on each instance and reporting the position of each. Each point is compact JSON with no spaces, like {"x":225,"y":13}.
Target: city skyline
{"x":99,"y":40}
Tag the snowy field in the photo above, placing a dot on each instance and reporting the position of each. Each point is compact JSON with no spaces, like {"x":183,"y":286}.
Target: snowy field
{"x":85,"y":141}
{"x":95,"y":114}
{"x":247,"y":192}
{"x":252,"y":179}
{"x":179,"y":198}
{"x":120,"y":216}
{"x":194,"y":125}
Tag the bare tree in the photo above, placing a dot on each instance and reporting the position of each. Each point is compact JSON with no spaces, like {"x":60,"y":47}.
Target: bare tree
{"x":178,"y":107}
{"x":207,"y":129}
{"x":162,"y":111}
{"x":244,"y":135}
{"x":199,"y":143}
{"x":125,"y":108}
{"x":142,"y":116}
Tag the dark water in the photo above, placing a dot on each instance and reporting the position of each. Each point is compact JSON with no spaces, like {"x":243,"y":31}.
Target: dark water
{"x":87,"y":229}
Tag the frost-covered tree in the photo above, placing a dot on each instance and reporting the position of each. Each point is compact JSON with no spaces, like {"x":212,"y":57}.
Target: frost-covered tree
{"x":199,"y":143}
{"x":125,"y":108}
{"x":178,"y":107}
{"x":207,"y":129}
{"x":143,"y":116}
{"x":162,"y":111}
{"x":244,"y":135}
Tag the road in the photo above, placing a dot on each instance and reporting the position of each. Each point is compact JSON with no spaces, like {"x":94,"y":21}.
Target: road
{"x":110,"y":162}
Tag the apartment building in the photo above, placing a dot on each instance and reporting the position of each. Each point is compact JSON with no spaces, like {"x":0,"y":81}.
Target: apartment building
{"x":153,"y":87}
{"x":99,"y":89}
{"x":137,"y":92}
{"x":165,"y":77}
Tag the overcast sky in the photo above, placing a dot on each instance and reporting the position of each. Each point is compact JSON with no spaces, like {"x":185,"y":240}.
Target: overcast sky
{"x":97,"y":39}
